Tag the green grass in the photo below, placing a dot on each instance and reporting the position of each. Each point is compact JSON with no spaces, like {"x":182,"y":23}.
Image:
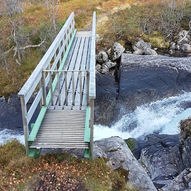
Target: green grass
{"x":130,"y":143}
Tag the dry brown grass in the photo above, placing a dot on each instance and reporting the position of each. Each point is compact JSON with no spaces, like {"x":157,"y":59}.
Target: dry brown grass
{"x":55,"y":172}
{"x":34,"y":20}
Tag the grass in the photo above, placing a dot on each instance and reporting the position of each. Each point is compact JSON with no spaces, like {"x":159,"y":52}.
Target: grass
{"x":34,"y":23}
{"x":56,"y":171}
{"x":130,"y":143}
{"x":141,"y":19}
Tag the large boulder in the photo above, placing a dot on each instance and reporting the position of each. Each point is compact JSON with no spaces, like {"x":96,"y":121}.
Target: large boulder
{"x":120,"y":157}
{"x":153,"y":142}
{"x":143,"y":48}
{"x":106,"y":99}
{"x":181,"y":183}
{"x":116,"y":51}
{"x":182,"y":43}
{"x":185,"y":142}
{"x":143,"y":79}
{"x":160,"y":158}
{"x":102,"y":57}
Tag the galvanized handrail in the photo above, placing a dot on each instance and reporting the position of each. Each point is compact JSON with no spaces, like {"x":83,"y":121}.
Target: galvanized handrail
{"x":55,"y":56}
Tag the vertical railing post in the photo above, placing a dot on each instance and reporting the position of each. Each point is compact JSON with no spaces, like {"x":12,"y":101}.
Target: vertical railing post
{"x":80,"y":75}
{"x":25,"y":122}
{"x":51,"y":89}
{"x":88,"y":86}
{"x":73,"y":88}
{"x":58,"y":79}
{"x":43,"y":89}
{"x":66,"y":89}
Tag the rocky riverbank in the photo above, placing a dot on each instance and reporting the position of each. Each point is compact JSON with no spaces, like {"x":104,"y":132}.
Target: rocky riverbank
{"x":163,"y":161}
{"x":139,"y":79}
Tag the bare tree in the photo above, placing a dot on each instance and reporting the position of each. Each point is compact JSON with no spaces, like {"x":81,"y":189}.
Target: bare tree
{"x":170,"y":19}
{"x":52,"y":11}
{"x":18,"y":40}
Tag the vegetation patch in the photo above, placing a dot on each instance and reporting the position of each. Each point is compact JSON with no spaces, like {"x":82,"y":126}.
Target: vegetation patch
{"x":130,"y":143}
{"x":56,"y":172}
{"x":185,"y":127}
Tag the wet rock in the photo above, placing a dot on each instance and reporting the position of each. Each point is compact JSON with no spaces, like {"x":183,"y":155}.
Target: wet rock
{"x":143,"y":79}
{"x":102,"y":57}
{"x":98,"y":67}
{"x":116,"y":51}
{"x":104,"y":69}
{"x":143,"y":48}
{"x":120,"y":157}
{"x":181,"y":183}
{"x":110,"y":64}
{"x":106,"y":94}
{"x":185,"y":142}
{"x":155,"y":141}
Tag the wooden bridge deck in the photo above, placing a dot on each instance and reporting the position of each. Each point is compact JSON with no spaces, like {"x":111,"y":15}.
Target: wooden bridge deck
{"x":62,"y":129}
{"x":64,"y":84}
{"x":77,"y":60}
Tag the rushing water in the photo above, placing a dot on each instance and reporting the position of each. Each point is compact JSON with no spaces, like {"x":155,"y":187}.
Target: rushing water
{"x":162,"y":116}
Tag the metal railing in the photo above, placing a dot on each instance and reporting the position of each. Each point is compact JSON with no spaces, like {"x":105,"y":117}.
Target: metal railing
{"x":71,"y":87}
{"x":53,"y":59}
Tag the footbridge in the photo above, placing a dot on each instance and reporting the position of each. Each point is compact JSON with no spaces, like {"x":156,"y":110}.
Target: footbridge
{"x":64,"y":86}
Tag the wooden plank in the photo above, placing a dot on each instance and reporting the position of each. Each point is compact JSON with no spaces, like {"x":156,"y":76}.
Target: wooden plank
{"x":71,"y":66}
{"x":80,"y":81}
{"x":37,"y":124}
{"x":85,"y":81}
{"x":83,"y":34}
{"x":73,"y":75}
{"x":55,"y":146}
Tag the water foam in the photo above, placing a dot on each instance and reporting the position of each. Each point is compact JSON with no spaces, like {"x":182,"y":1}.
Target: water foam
{"x":8,"y":135}
{"x":162,"y":116}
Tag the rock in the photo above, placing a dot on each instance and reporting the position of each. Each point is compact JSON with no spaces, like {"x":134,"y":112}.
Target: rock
{"x":150,"y":51}
{"x":10,"y":113}
{"x":182,"y":44}
{"x":98,"y":67}
{"x":120,"y":156}
{"x":104,"y":69}
{"x":160,"y":163}
{"x":185,"y":142}
{"x":110,"y":64}
{"x":181,"y":183}
{"x":138,"y":52}
{"x":106,"y":99}
{"x":143,"y":79}
{"x":155,"y":141}
{"x":186,"y":48}
{"x":116,"y":51}
{"x":143,"y":48}
{"x":102,"y":57}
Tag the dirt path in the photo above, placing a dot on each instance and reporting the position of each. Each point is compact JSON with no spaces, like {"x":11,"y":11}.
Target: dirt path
{"x":103,"y":17}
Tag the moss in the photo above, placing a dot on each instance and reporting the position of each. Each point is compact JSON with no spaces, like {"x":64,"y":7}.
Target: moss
{"x":157,"y":40}
{"x":130,"y":143}
{"x":185,"y":127}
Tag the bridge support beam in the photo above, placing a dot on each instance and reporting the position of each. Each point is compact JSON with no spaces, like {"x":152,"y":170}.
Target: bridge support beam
{"x":91,"y":127}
